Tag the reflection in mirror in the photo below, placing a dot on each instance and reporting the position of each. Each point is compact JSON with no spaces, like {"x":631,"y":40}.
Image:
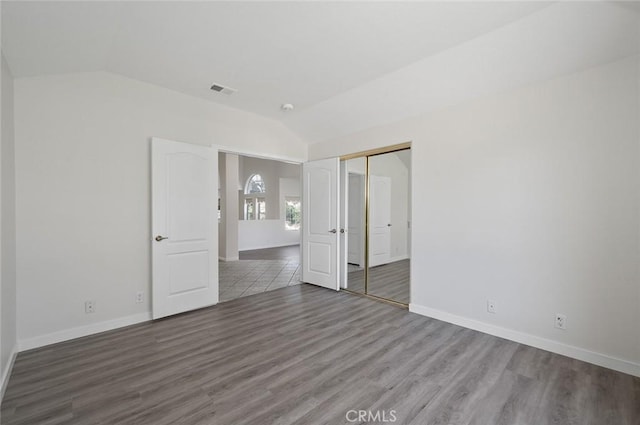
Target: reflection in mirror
{"x":389,"y":224}
{"x":355,"y":174}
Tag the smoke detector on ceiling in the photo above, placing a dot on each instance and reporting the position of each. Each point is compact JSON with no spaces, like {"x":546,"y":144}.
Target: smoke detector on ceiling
{"x":286,"y":107}
{"x":222,"y":89}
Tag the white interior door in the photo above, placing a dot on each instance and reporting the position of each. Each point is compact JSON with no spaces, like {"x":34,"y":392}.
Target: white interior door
{"x":320,"y":233}
{"x":379,"y":220}
{"x":184,"y":226}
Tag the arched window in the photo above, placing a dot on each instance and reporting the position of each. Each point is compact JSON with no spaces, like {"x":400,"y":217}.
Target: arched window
{"x":255,"y":184}
{"x":255,"y":205}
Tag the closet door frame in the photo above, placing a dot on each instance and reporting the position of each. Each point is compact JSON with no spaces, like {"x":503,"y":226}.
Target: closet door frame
{"x":344,"y":213}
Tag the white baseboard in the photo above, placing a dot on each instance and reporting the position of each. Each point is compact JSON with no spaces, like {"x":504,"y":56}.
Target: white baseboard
{"x":80,"y":331}
{"x":228,"y":258}
{"x":7,"y":371}
{"x":588,"y":356}
{"x":398,"y":258}
{"x":268,"y":246}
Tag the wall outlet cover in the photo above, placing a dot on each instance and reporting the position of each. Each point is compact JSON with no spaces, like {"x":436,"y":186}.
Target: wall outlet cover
{"x":491,"y":306}
{"x":89,"y":306}
{"x":561,"y":321}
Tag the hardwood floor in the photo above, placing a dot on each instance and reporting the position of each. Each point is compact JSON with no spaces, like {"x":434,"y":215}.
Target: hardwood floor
{"x":305,"y":355}
{"x":390,"y":281}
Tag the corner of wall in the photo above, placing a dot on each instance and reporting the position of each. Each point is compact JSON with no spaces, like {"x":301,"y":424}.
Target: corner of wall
{"x":6,"y":371}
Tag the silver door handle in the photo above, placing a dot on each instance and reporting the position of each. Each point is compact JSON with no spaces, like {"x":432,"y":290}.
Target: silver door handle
{"x":160,"y":238}
{"x":333,"y":231}
{"x":343,"y":231}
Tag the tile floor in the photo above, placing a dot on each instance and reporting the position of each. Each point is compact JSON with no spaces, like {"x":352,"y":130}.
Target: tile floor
{"x":247,"y":277}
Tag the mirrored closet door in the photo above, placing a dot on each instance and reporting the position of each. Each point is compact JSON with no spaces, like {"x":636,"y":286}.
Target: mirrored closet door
{"x":377,"y":222}
{"x":354,"y":210}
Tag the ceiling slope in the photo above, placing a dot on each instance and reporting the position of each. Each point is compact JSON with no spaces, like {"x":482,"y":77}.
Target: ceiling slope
{"x":561,"y":39}
{"x":346,"y":66}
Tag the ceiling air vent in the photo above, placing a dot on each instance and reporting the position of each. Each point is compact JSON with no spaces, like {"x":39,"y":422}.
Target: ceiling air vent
{"x":222,"y":89}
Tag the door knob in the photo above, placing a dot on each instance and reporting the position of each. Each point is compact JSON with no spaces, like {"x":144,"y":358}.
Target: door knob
{"x":389,"y":225}
{"x":343,"y":231}
{"x":159,"y":238}
{"x":333,"y":231}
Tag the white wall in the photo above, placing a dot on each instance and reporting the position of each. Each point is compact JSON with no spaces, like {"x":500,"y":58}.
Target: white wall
{"x":83,"y":191}
{"x":258,"y":234}
{"x":228,"y":164}
{"x":530,"y":198}
{"x":8,"y":340}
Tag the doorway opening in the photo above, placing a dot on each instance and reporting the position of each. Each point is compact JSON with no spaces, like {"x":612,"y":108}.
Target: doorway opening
{"x":259,"y":225}
{"x":376,"y":212}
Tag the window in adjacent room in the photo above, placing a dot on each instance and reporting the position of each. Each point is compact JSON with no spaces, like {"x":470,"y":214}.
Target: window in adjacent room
{"x":255,"y":206}
{"x":292,"y":213}
{"x":255,"y":184}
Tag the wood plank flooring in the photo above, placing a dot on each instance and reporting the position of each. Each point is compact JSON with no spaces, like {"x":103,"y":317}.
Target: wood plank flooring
{"x":390,"y":281}
{"x":305,"y":355}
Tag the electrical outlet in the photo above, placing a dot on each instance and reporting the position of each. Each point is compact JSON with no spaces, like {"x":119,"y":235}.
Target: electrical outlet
{"x":561,"y":321}
{"x":491,"y":306}
{"x":139,"y":297}
{"x":89,"y":306}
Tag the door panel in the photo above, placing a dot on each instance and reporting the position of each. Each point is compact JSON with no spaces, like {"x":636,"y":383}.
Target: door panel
{"x":188,"y":271}
{"x":320,"y":258}
{"x":319,"y":201}
{"x":186,"y":197}
{"x":390,"y":203}
{"x":380,"y":220}
{"x":320,"y":223}
{"x":184,"y":188}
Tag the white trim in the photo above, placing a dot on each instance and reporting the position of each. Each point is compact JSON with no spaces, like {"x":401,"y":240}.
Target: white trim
{"x":599,"y":359}
{"x":271,"y":246}
{"x":80,"y":331}
{"x":228,"y":258}
{"x":398,"y":258}
{"x":7,"y":371}
{"x":245,"y":152}
{"x":254,"y":154}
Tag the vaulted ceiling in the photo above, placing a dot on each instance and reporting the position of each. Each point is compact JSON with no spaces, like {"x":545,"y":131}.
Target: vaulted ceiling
{"x":346,"y":66}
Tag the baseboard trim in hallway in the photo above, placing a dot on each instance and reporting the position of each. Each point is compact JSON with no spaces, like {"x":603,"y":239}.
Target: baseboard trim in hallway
{"x":228,"y":258}
{"x":578,"y":353}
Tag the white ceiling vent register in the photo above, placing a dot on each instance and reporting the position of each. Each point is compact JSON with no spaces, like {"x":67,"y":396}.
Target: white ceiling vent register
{"x":222,"y":89}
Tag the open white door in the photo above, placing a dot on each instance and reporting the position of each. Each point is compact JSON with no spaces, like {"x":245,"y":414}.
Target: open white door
{"x":320,"y":209}
{"x":380,"y":220}
{"x":184,"y":225}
